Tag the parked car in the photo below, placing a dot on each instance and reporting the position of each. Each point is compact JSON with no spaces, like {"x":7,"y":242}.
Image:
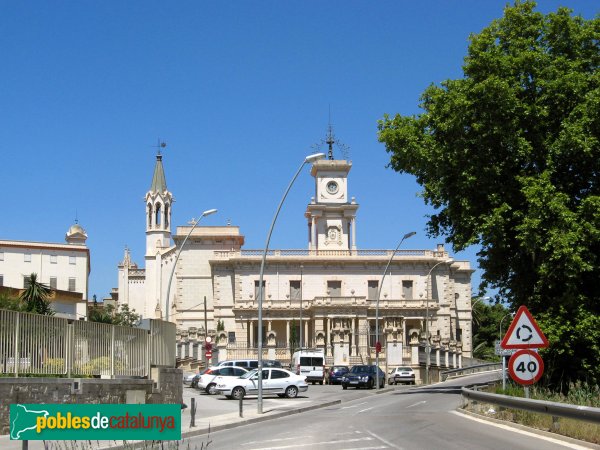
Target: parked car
{"x":188,"y":377}
{"x":363,"y":376}
{"x":336,"y":373}
{"x":274,"y":381}
{"x":250,"y":363}
{"x":208,"y":379}
{"x":401,"y":375}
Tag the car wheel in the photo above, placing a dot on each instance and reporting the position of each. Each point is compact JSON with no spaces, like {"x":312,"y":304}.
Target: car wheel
{"x":291,"y":392}
{"x":238,"y":393}
{"x":344,"y":386}
{"x":370,"y":383}
{"x":211,"y":389}
{"x":321,"y":382}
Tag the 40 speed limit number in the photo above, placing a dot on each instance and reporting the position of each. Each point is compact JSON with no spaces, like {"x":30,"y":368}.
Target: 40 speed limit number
{"x":525,"y":367}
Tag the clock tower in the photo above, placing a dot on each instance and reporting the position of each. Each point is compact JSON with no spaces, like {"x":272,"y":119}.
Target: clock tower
{"x":331,"y":214}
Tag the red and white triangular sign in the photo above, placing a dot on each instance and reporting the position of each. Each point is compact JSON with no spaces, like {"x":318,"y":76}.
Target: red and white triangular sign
{"x":524,"y":332}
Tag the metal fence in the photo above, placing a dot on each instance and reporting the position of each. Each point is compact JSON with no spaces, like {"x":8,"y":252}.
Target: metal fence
{"x":44,"y":345}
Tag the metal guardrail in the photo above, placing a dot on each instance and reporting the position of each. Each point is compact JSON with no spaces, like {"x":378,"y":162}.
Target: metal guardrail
{"x":469,"y":370}
{"x":586,"y":413}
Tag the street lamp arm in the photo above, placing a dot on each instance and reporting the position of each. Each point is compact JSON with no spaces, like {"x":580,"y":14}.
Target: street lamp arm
{"x":308,"y":159}
{"x":205,"y":213}
{"x":406,"y":236}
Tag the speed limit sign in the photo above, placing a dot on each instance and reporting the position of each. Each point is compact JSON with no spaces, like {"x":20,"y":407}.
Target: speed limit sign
{"x":525,"y":367}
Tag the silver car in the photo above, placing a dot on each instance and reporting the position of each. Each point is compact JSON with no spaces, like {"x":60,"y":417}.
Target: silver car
{"x":401,"y":375}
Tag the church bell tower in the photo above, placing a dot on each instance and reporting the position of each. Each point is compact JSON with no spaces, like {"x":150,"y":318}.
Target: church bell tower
{"x":158,"y":211}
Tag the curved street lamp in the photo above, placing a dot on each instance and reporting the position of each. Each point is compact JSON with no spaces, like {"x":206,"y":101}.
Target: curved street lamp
{"x":208,"y":212}
{"x":428,"y":340}
{"x":309,"y":159}
{"x":406,"y":236}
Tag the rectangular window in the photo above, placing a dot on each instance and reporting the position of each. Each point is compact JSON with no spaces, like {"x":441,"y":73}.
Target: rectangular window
{"x":407,"y":289}
{"x":334,"y":288}
{"x":53,"y":259}
{"x":373,"y":286}
{"x":71,"y":260}
{"x":231,"y":337}
{"x":72,"y":284}
{"x":459,"y":334}
{"x":256,"y":293}
{"x":1,"y":256}
{"x":295,"y":289}
{"x":53,"y":283}
{"x":27,"y":257}
{"x":26,"y":281}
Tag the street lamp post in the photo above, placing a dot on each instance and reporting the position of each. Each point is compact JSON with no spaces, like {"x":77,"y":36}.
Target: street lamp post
{"x":301,"y":270}
{"x":428,"y":340}
{"x":503,"y":357}
{"x":307,"y":160}
{"x":208,"y":212}
{"x":377,"y":343}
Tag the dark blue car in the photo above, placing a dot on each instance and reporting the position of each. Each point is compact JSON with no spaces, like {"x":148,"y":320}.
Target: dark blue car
{"x":337,"y":373}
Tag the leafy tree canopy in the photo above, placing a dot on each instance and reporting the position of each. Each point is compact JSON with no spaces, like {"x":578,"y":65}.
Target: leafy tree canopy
{"x":117,"y":316}
{"x":509,"y":157}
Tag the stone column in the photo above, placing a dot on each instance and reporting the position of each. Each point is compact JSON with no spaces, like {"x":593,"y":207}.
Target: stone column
{"x":354,"y":233}
{"x":251,"y":331}
{"x":305,"y":336}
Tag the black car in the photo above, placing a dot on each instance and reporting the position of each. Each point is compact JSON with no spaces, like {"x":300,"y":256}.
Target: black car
{"x":363,"y":376}
{"x":336,"y":373}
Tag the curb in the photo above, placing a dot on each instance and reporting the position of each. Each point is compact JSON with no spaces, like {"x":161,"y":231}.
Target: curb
{"x":262,"y":418}
{"x":518,"y":426}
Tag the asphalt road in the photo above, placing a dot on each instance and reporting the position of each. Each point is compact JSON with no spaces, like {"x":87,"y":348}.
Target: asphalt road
{"x":400,"y":418}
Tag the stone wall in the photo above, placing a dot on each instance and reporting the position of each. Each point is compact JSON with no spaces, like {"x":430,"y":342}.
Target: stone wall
{"x":166,"y":387}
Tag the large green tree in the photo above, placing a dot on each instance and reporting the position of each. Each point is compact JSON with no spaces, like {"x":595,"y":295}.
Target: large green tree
{"x":509,"y":158}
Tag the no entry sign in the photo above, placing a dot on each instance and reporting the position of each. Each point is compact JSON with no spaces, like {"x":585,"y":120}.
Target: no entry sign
{"x":525,"y":367}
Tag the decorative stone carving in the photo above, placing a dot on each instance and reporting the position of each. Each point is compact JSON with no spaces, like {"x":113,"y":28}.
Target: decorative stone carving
{"x":414,"y":335}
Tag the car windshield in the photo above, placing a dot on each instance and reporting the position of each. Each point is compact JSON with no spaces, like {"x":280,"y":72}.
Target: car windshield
{"x":362,"y":369}
{"x":404,"y":369}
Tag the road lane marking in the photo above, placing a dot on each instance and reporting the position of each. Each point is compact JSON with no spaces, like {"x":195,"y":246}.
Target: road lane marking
{"x":353,"y":406}
{"x":363,"y":410}
{"x":415,"y":404}
{"x":516,"y":430}
{"x":296,"y":445}
{"x":386,"y":442}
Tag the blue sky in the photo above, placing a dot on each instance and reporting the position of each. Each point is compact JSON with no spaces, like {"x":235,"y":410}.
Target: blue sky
{"x":240,"y":91}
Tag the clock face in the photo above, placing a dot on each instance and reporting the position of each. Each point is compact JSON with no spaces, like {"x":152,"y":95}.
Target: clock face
{"x":332,"y":187}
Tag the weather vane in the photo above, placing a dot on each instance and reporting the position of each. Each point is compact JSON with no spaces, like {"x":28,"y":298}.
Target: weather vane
{"x":330,"y":140}
{"x":160,"y":144}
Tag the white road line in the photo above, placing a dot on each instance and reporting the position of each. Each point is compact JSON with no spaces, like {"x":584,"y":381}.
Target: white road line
{"x":527,"y":433}
{"x":316,"y":443}
{"x":364,"y":448}
{"x":354,"y":406}
{"x":363,"y":410}
{"x":277,"y":440}
{"x":379,"y":438}
{"x":415,"y":404}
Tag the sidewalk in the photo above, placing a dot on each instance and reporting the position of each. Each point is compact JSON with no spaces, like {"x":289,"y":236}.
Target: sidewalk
{"x":272,"y":409}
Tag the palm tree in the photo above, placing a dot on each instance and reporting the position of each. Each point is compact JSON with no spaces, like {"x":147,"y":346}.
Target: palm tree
{"x":35,"y":296}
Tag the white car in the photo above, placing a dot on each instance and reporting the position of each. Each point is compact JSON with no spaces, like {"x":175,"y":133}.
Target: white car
{"x":188,"y":377}
{"x":274,"y":381}
{"x":208,"y":378}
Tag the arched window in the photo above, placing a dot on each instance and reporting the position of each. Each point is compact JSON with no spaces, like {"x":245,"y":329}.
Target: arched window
{"x":167,"y":215}
{"x":158,"y":218}
{"x":149,"y":215}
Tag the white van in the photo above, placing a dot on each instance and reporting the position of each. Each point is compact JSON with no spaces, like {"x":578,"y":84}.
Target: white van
{"x":310,"y":363}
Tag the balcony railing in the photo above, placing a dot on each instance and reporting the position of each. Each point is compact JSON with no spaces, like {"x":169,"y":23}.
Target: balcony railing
{"x":329,"y":253}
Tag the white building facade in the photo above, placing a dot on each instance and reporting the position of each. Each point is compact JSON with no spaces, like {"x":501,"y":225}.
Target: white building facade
{"x":322,"y":296}
{"x":62,"y":267}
